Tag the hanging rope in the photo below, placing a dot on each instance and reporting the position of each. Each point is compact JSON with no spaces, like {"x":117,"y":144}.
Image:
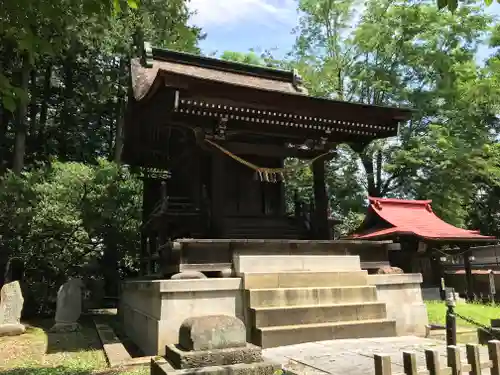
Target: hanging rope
{"x":262,"y":173}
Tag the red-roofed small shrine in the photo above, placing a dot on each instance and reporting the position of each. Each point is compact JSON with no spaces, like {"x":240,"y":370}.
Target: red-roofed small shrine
{"x":388,"y":218}
{"x":422,"y":235}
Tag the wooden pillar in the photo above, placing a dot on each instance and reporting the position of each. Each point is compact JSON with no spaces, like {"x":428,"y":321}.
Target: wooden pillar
{"x":143,"y":255}
{"x":469,"y":281}
{"x":144,"y":236}
{"x":320,"y":201}
{"x":282,"y":194}
{"x":218,"y":191}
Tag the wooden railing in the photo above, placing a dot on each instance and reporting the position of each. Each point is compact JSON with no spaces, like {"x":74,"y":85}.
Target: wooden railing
{"x":454,"y":366}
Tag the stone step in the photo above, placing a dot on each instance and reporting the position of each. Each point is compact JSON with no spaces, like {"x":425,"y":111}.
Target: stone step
{"x":296,"y":315}
{"x":310,"y":296}
{"x":266,"y":280}
{"x":271,"y":337}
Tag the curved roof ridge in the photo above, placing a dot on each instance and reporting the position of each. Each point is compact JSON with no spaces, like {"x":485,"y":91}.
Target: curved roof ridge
{"x":414,"y":217}
{"x":400,"y":201}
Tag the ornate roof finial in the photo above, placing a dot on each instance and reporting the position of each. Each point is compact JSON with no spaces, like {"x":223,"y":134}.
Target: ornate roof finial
{"x":297,"y":82}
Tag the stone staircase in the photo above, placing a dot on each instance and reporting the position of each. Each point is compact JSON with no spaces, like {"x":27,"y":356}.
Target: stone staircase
{"x":287,"y":308}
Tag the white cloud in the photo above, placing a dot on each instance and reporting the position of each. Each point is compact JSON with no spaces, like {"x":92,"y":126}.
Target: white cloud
{"x":230,"y":13}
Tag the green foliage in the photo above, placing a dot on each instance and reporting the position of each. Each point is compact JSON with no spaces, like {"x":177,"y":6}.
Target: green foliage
{"x":76,"y":58}
{"x":60,"y":220}
{"x":452,"y":5}
{"x":406,"y":53}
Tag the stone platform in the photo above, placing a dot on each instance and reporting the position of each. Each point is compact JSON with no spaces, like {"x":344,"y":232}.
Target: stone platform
{"x":355,"y":357}
{"x":285,"y":292}
{"x":221,"y":254}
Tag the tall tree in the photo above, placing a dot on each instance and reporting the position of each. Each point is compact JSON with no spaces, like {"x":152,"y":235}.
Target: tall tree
{"x":398,"y":53}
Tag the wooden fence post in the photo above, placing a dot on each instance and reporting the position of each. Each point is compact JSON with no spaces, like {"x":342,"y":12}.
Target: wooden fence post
{"x":494,"y":354}
{"x":432,"y":362}
{"x":472,"y":351}
{"x":453,"y":359}
{"x":410,"y":363}
{"x":474,"y":366}
{"x":382,"y":364}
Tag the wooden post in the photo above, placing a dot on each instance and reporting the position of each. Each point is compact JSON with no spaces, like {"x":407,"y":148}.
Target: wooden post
{"x":451,"y":323}
{"x":493,"y":289}
{"x":218,"y":190}
{"x":432,"y":362}
{"x":410,"y":363}
{"x":382,"y":364}
{"x":494,"y":354}
{"x":472,"y":351}
{"x":454,"y":362}
{"x":144,"y":235}
{"x":469,"y":282}
{"x":320,"y":200}
{"x":144,"y":250}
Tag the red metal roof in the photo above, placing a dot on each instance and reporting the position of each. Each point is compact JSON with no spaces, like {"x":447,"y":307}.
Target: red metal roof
{"x":413,"y":217}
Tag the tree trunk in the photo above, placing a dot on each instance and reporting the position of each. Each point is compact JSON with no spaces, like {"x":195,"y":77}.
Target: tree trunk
{"x":68,"y":94}
{"x":120,"y":111}
{"x":33,"y":111}
{"x":5,"y":115}
{"x":367,"y":160}
{"x":20,"y":137}
{"x":44,"y":106}
{"x":378,"y":181}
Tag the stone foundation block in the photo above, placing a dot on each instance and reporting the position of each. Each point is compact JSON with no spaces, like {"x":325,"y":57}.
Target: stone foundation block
{"x":210,"y":332}
{"x":258,"y":368}
{"x":12,"y":329}
{"x":182,"y":359}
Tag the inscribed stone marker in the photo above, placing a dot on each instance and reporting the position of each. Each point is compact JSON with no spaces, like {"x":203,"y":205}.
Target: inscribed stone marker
{"x":11,"y":306}
{"x":69,"y":306}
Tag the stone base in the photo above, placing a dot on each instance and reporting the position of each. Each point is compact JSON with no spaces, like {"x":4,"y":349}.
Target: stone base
{"x":182,"y":359}
{"x":12,"y":329}
{"x":258,"y":368}
{"x":65,"y":327}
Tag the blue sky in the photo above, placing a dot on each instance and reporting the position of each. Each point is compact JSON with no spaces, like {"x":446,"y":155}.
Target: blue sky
{"x":238,"y":25}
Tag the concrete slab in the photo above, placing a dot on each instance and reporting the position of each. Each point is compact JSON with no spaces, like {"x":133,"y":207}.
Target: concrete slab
{"x":355,"y":356}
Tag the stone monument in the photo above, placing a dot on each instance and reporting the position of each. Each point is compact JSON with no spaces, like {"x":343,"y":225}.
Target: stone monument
{"x":11,"y":306}
{"x":69,"y":306}
{"x":213,"y":344}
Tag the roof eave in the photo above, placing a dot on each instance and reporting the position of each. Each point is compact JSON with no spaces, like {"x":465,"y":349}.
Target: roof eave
{"x":398,"y":113}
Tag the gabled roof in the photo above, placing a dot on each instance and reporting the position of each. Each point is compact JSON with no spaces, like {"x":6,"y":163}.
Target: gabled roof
{"x":394,"y":217}
{"x":220,"y":82}
{"x":206,"y":68}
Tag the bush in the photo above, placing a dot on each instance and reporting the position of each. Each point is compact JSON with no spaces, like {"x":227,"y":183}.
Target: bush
{"x":69,"y":219}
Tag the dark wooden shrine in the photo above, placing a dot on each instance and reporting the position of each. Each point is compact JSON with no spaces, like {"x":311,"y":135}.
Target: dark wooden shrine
{"x":184,"y":106}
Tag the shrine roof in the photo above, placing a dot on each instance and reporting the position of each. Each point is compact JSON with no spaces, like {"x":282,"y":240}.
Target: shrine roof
{"x":211,"y":69}
{"x":411,"y":217}
{"x":212,"y":80}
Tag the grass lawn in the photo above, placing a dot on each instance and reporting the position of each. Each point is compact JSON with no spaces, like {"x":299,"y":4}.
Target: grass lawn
{"x":39,"y":352}
{"x":436,"y":311}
